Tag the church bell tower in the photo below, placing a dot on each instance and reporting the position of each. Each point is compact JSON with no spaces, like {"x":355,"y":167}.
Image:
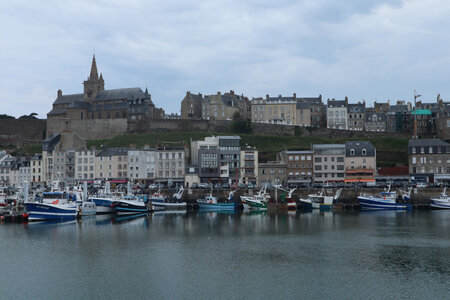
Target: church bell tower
{"x":94,"y":83}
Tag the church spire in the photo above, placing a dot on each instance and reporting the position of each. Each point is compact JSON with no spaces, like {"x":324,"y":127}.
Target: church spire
{"x":94,"y":72}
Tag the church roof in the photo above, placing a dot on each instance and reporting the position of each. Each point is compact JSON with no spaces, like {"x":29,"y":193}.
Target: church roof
{"x":119,"y":94}
{"x":66,"y":99}
{"x":57,"y":111}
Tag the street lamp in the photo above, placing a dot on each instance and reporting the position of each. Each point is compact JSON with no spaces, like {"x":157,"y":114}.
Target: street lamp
{"x":415,"y":113}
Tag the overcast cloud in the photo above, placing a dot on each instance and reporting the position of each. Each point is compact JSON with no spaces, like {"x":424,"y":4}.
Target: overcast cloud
{"x":371,"y":50}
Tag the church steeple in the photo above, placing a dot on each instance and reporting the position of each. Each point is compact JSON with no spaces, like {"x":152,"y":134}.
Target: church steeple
{"x":93,"y":84}
{"x":94,"y":72}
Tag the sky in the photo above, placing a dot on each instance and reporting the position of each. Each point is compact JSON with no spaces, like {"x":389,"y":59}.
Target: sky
{"x":372,"y":50}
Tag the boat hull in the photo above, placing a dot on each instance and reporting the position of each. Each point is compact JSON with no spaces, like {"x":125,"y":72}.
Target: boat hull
{"x":440,"y":204}
{"x":305,"y":204}
{"x":130,"y":207}
{"x":103,"y":206}
{"x":373,"y":203}
{"x":216,"y":206}
{"x":169,"y":206}
{"x":44,"y":212}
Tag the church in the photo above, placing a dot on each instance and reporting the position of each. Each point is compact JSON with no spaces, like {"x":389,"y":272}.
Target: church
{"x":131,"y":104}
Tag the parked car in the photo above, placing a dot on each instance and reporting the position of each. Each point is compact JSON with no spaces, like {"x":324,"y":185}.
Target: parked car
{"x":153,"y":186}
{"x":242,"y":186}
{"x":203,"y":185}
{"x":421,"y":185}
{"x":217,"y":186}
{"x":194,"y":186}
{"x":251,"y":186}
{"x":225,"y":186}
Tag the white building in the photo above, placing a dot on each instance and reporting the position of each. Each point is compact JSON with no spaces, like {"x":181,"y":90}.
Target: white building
{"x":85,"y":164}
{"x":337,"y":114}
{"x":142,"y":164}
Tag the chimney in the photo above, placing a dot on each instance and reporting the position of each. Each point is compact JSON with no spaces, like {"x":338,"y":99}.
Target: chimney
{"x":188,"y":93}
{"x":231,"y":92}
{"x":295,"y":95}
{"x":59,"y":93}
{"x":267,"y":96}
{"x":218,"y":93}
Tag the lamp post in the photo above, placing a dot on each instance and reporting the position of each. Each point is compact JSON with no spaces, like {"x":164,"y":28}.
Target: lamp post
{"x":415,"y":114}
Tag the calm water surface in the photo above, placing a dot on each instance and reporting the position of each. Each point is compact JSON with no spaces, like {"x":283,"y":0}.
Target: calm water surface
{"x":209,"y":255}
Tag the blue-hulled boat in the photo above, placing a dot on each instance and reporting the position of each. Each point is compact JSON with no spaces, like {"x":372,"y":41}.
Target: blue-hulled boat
{"x":387,"y":200}
{"x":441,"y":202}
{"x":54,"y":205}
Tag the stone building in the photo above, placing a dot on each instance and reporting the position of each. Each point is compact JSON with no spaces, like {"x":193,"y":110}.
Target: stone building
{"x":356,"y":115}
{"x":191,"y":106}
{"x":426,"y":125}
{"x":96,"y":103}
{"x":305,"y":111}
{"x":272,"y":173}
{"x":375,"y":122}
{"x":360,"y":161}
{"x":443,"y":120}
{"x":429,"y":160}
{"x":398,"y":118}
{"x":329,"y":162}
{"x":337,"y":111}
{"x":224,"y":107}
{"x":299,"y":166}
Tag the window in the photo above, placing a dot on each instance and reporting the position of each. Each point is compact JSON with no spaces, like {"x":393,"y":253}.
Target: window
{"x":364,"y":152}
{"x":352,"y":152}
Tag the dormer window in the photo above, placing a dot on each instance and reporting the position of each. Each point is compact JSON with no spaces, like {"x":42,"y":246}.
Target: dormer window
{"x":352,"y":152}
{"x":364,"y":152}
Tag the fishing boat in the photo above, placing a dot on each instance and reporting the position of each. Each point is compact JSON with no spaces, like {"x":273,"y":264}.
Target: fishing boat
{"x":104,"y":200}
{"x":3,"y":196}
{"x":86,"y":207}
{"x":210,"y":203}
{"x":53,"y":205}
{"x":159,"y":201}
{"x":258,"y":201}
{"x":319,"y":201}
{"x":130,"y":205}
{"x":387,"y":200}
{"x":441,"y":202}
{"x":289,"y":200}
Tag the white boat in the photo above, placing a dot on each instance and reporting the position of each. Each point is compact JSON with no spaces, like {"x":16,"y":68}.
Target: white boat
{"x":441,"y":202}
{"x":159,"y":201}
{"x":258,"y":201}
{"x":319,"y":201}
{"x":86,"y":206}
{"x":104,"y":200}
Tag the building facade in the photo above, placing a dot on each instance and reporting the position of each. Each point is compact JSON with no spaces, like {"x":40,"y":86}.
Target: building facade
{"x":272,"y":173}
{"x":356,"y":116}
{"x":299,"y":167}
{"x":249,"y":165}
{"x":429,"y":160}
{"x":329,"y":162}
{"x":337,"y":114}
{"x":360,"y":162}
{"x":375,"y":122}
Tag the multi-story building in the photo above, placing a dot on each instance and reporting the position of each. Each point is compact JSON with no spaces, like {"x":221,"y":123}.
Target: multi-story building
{"x":329,"y":162}
{"x":84,"y":165}
{"x":20,"y":172}
{"x":425,"y":121}
{"x":191,"y":106}
{"x":142,"y":164}
{"x":305,"y":111}
{"x":5,"y":169}
{"x":36,"y":169}
{"x":360,"y":161}
{"x":249,"y":165}
{"x":218,"y":158}
{"x":170,"y":165}
{"x":110,"y":163}
{"x":375,"y":122}
{"x":398,"y":118}
{"x":272,"y":173}
{"x":356,"y":114}
{"x":429,"y":160}
{"x":299,"y":167}
{"x":337,"y":114}
{"x":225,"y":107}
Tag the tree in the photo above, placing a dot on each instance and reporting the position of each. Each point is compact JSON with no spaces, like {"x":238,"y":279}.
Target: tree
{"x":239,"y":125}
{"x":4,"y":116}
{"x":30,"y":116}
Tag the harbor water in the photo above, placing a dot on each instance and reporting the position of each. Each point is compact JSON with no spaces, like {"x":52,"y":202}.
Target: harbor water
{"x":345,"y":255}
